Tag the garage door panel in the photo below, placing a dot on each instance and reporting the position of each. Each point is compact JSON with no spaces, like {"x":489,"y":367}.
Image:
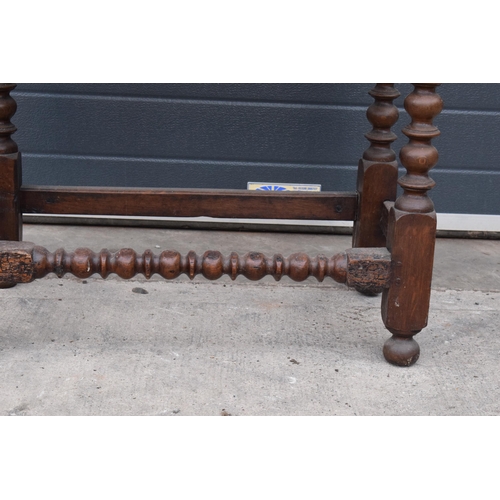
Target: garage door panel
{"x":190,"y":130}
{"x":326,"y":93}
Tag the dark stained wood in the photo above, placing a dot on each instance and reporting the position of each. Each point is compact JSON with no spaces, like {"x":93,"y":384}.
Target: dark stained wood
{"x":24,"y":262}
{"x":384,"y":222}
{"x":169,"y":264}
{"x":368,"y":269}
{"x":8,"y":108}
{"x":16,"y":263}
{"x":378,"y":169}
{"x":411,"y":231}
{"x":188,"y":203}
{"x":407,"y":227}
{"x":11,"y":224}
{"x":10,"y":169}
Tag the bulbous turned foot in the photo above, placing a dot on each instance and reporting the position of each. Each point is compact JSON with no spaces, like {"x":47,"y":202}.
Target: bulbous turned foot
{"x":7,"y":285}
{"x":401,"y":351}
{"x":368,"y":292}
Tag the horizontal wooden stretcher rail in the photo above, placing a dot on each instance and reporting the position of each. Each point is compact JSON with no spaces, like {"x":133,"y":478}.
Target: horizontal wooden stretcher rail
{"x":23,"y":262}
{"x":158,"y":202}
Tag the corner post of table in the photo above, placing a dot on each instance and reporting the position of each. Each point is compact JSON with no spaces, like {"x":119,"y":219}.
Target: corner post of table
{"x":377,"y":169}
{"x":411,"y":231}
{"x":10,"y":171}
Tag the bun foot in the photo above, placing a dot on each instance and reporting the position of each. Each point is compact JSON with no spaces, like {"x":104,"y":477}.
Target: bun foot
{"x":367,"y":292}
{"x":7,"y":285}
{"x":401,"y":351}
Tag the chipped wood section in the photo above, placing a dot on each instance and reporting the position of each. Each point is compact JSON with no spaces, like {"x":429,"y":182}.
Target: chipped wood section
{"x":16,"y":263}
{"x":23,"y":262}
{"x":369,"y":269}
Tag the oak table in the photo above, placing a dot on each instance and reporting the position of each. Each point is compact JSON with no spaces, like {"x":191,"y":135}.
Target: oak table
{"x":393,"y":240}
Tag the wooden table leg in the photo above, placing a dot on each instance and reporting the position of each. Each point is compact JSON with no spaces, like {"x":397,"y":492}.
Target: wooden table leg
{"x":411,"y":231}
{"x":10,"y":172}
{"x":10,"y":169}
{"x":377,"y":169}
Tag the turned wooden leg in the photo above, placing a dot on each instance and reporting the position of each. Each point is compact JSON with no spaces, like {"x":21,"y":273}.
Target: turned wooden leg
{"x":10,"y":171}
{"x":411,"y":231}
{"x":377,"y":170}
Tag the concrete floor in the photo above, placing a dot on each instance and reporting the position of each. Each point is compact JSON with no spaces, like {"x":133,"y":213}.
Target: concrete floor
{"x":94,"y":347}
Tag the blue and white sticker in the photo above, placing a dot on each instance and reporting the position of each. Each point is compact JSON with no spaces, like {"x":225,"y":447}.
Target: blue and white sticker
{"x":269,"y":186}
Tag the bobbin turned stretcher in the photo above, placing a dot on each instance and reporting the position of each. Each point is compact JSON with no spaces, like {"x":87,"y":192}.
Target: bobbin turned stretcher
{"x":393,"y":239}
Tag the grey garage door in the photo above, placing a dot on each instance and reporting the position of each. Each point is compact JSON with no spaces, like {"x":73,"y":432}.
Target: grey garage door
{"x":224,"y":135}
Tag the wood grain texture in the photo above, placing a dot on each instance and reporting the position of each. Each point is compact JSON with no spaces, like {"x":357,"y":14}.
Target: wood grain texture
{"x":378,"y":168}
{"x":11,"y":227}
{"x":23,"y":262}
{"x":10,"y":169}
{"x":411,"y":231}
{"x":16,"y":263}
{"x":368,"y":269}
{"x":126,"y":263}
{"x":8,"y":108}
{"x":403,"y":271}
{"x":188,"y":203}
